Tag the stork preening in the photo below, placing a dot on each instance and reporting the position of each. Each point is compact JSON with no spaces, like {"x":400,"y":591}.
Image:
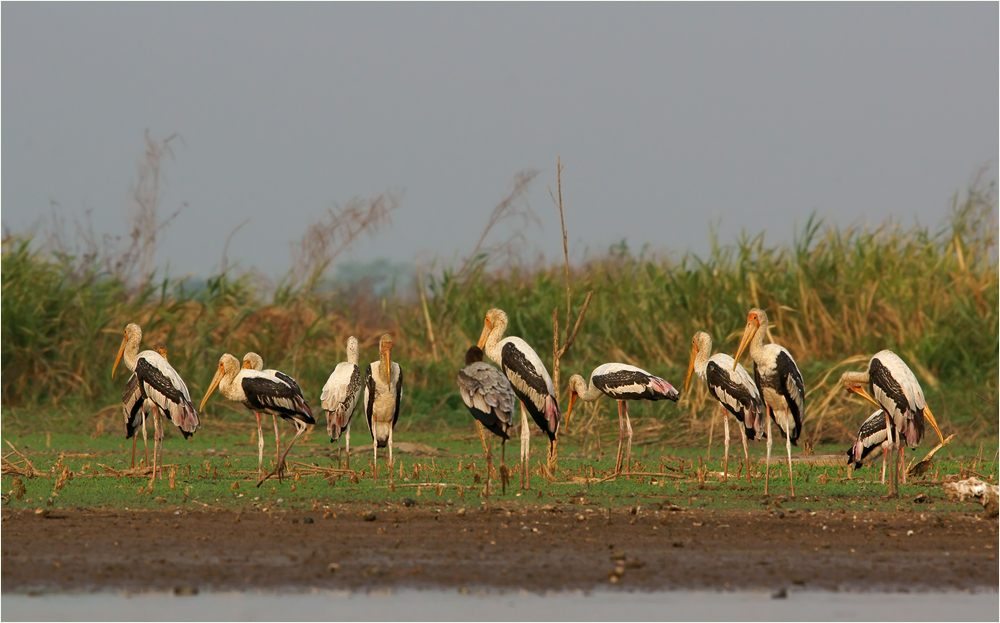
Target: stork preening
{"x":158,"y":383}
{"x":253,"y":361}
{"x":340,"y":396}
{"x":780,"y":385}
{"x":623,"y":383}
{"x":383,"y":390}
{"x":135,"y":406}
{"x":490,"y":398}
{"x":896,"y":391}
{"x":530,"y":380}
{"x":876,"y":432}
{"x":261,"y":392}
{"x":732,"y":386}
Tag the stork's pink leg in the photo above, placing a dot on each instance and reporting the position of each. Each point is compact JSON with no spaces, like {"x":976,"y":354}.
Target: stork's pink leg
{"x":725,"y":461}
{"x":621,"y":435}
{"x":277,"y":439}
{"x":787,"y":417}
{"x":767,"y":467}
{"x":746,"y":452}
{"x":525,"y":449}
{"x":347,"y":439}
{"x":260,"y":447}
{"x":145,"y":446}
{"x":628,"y":430}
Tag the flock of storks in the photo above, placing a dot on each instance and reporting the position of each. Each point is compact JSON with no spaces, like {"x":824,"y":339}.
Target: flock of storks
{"x":776,"y":389}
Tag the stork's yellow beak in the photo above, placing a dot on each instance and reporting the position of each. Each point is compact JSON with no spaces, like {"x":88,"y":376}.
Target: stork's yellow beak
{"x":930,"y":417}
{"x":121,"y":351}
{"x":748,"y":334}
{"x":687,"y":379}
{"x":572,"y":401}
{"x":211,"y":388}
{"x":860,"y":391}
{"x":487,"y":327}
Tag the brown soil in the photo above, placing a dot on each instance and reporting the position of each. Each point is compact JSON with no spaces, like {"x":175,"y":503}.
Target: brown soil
{"x":541,"y":549}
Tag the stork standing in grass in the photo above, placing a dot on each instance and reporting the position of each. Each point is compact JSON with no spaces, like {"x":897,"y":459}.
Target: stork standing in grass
{"x":896,"y":391}
{"x":530,"y":380}
{"x":873,"y":434}
{"x":780,"y":385}
{"x":623,"y":383}
{"x":157,"y":382}
{"x":261,"y":392}
{"x":732,"y":386}
{"x":135,"y":406}
{"x":490,"y":398}
{"x":340,"y":396}
{"x":383,"y":391}
{"x":253,"y":361}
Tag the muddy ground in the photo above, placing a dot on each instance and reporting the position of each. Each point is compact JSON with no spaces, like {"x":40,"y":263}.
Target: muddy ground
{"x":547,"y":548}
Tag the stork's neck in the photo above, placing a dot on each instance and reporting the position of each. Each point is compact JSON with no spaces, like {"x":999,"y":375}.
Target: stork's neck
{"x":131,"y":354}
{"x":701,"y":360}
{"x":757,"y":343}
{"x":587,"y":392}
{"x":385,"y":366}
{"x":854,"y":379}
{"x":492,"y":346}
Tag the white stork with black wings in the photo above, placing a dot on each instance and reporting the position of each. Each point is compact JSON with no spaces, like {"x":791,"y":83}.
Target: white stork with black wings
{"x":621,"y":382}
{"x":732,"y":387}
{"x":897,"y":392}
{"x":780,"y":384}
{"x":135,"y":406}
{"x":873,"y":434}
{"x":158,"y":383}
{"x":261,"y":392}
{"x":383,"y":391}
{"x":340,"y":396}
{"x":253,"y":361}
{"x":528,"y":377}
{"x":491,"y":400}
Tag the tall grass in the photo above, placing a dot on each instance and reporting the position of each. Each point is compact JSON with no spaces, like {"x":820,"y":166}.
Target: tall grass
{"x":834,"y":297}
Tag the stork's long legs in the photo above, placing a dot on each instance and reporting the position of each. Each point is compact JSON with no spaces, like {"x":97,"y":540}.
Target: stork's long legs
{"x":725,"y":429}
{"x":525,"y":449}
{"x":277,"y":439}
{"x":157,"y":444}
{"x":786,"y":418}
{"x":628,"y":431}
{"x":503,"y":466}
{"x":746,"y":452}
{"x":347,"y":438}
{"x":767,"y":468}
{"x":260,"y":447}
{"x":621,"y":435}
{"x":144,"y":445}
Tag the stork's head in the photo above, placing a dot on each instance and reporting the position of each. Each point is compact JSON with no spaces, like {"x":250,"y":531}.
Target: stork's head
{"x":229,"y":367}
{"x":577,"y":386}
{"x":700,"y":343}
{"x":496,"y":323}
{"x":756,"y":322}
{"x":385,"y":357}
{"x":161,"y":348}
{"x":352,"y":350}
{"x":253,"y":361}
{"x":473,"y":355}
{"x":855,"y":382}
{"x":131,"y":336}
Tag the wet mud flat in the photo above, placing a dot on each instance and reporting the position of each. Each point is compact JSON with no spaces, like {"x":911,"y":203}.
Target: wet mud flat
{"x":394,"y":546}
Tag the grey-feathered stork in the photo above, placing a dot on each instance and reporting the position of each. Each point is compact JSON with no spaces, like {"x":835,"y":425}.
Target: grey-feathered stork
{"x":895,"y":390}
{"x":340,"y":396}
{"x":490,"y":398}
{"x":732,"y":387}
{"x":135,"y":406}
{"x":875,"y":432}
{"x":158,"y":383}
{"x":623,"y":383}
{"x":780,"y":385}
{"x":383,"y":390}
{"x":261,"y":392}
{"x":253,"y":361}
{"x":530,"y":380}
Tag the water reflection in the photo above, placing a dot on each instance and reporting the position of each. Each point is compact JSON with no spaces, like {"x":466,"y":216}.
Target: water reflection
{"x":495,"y":605}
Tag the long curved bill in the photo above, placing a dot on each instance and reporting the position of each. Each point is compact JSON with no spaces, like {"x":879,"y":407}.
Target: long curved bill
{"x":860,"y":391}
{"x":211,"y":388}
{"x":748,"y":334}
{"x":572,"y":401}
{"x":121,"y":351}
{"x":485,"y":334}
{"x":930,"y":417}
{"x":687,"y":379}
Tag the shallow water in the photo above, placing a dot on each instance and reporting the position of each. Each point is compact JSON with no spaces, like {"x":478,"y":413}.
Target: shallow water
{"x":495,"y":605}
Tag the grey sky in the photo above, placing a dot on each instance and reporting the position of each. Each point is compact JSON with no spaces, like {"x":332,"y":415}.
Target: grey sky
{"x":667,"y":117}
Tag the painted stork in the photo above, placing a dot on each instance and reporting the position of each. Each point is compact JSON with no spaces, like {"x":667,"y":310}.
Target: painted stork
{"x":732,"y":387}
{"x":896,"y":391}
{"x":528,"y":377}
{"x":159,"y":384}
{"x":780,"y":384}
{"x":340,"y":396}
{"x":491,"y":400}
{"x":253,"y":361}
{"x":875,"y":432}
{"x":261,"y":392}
{"x":621,"y":382}
{"x":135,"y":406}
{"x":383,"y":390}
